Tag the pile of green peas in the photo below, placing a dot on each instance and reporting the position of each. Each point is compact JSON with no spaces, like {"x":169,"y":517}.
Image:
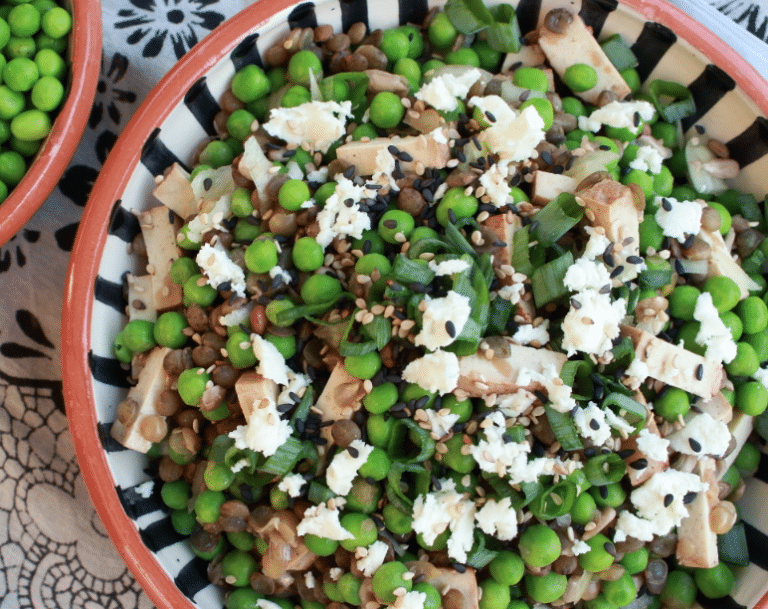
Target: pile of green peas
{"x":520,"y":574}
{"x":33,"y":72}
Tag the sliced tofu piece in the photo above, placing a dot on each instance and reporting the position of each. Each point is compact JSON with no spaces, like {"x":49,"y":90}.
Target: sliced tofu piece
{"x":637,"y":475}
{"x":529,"y":55}
{"x":175,"y":192}
{"x":424,"y":121}
{"x":342,"y":396}
{"x":718,"y":408}
{"x":153,"y":380}
{"x":251,"y":388}
{"x":697,"y":543}
{"x":141,"y":304}
{"x":740,"y":428}
{"x":610,"y":205}
{"x":721,"y":263}
{"x":424,"y":149}
{"x":576,"y":44}
{"x":159,"y":227}
{"x":503,"y":226}
{"x":547,"y":185}
{"x":509,"y":370}
{"x":674,"y":365}
{"x":381,"y":80}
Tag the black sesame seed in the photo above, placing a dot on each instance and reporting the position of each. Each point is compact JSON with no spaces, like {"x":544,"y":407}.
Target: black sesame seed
{"x":609,"y":259}
{"x":688,"y":243}
{"x":284,"y":407}
{"x":603,"y":490}
{"x":450,"y":328}
{"x":590,"y":452}
{"x":695,"y":446}
{"x":476,"y":142}
{"x":515,"y":179}
{"x":617,"y":271}
{"x":436,"y":483}
{"x":700,"y":129}
{"x":639,"y":464}
{"x":207,"y":183}
{"x":349,"y":172}
{"x":594,"y":424}
{"x":393,"y":150}
{"x":390,"y":224}
{"x":634,"y":260}
{"x":636,"y":118}
{"x":224,"y":286}
{"x":404,"y":157}
{"x":299,"y":425}
{"x":461,"y":157}
{"x":525,"y":95}
{"x":668,"y":499}
{"x":491,"y":118}
{"x":689,"y":497}
{"x":349,"y":202}
{"x":546,"y":156}
{"x":289,"y":153}
{"x":610,"y":548}
{"x":452,"y":216}
{"x":558,"y":169}
{"x":626,"y":453}
{"x":699,"y":372}
{"x":666,"y":204}
{"x":533,"y":226}
{"x":459,"y":567}
{"x":606,"y":289}
{"x":604,"y":147}
{"x":353,"y":452}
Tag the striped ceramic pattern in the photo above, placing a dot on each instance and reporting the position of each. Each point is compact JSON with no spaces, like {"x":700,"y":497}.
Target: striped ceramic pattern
{"x":726,"y":113}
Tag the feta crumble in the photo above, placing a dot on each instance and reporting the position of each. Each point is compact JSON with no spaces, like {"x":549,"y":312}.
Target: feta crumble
{"x":618,"y":114}
{"x":385,"y":165}
{"x":652,"y":445}
{"x":516,"y":140}
{"x":498,"y":518}
{"x":440,"y":422}
{"x":494,"y":104}
{"x":317,"y":123}
{"x":309,"y":580}
{"x":451,"y":311}
{"x":219,"y":268}
{"x":629,"y":525}
{"x":761,"y":376}
{"x":702,"y":435}
{"x":374,"y":558}
{"x":683,"y":218}
{"x":240,"y":465}
{"x":527,"y":333}
{"x":586,"y":274}
{"x":515,"y":404}
{"x":713,"y":333}
{"x":278,"y":271}
{"x":436,"y":372}
{"x":513,"y":292}
{"x":343,"y":468}
{"x":265,"y":431}
{"x":437,"y":511}
{"x":145,"y":489}
{"x":648,"y":158}
{"x":324,"y":522}
{"x":591,"y":423}
{"x":580,"y":547}
{"x":291,"y":484}
{"x":448,"y":267}
{"x":494,"y":181}
{"x":441,"y":92}
{"x":597,"y":243}
{"x":411,"y":600}
{"x":591,"y":326}
{"x":336,"y":219}
{"x":271,"y":362}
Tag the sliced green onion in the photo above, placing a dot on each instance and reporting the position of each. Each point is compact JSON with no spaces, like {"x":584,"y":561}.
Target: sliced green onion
{"x":500,"y":486}
{"x":732,"y":546}
{"x":564,"y":429}
{"x":619,"y":53}
{"x":578,"y":375}
{"x":408,"y":271}
{"x":499,"y":314}
{"x":503,"y":34}
{"x":672,"y":100}
{"x":531,"y":490}
{"x":380,"y":330}
{"x":426,"y":245}
{"x":235,"y":455}
{"x":394,"y":489}
{"x":556,"y":218}
{"x":287,"y":456}
{"x":302,"y":410}
{"x":653,"y":279}
{"x":397,"y":294}
{"x":468,"y":16}
{"x":521,"y":257}
{"x":555,"y":501}
{"x":623,"y":354}
{"x":318,"y":493}
{"x":219,"y":447}
{"x":290,"y":316}
{"x":605,"y":469}
{"x":480,"y":555}
{"x":548,"y":280}
{"x":457,"y":241}
{"x":422,"y":439}
{"x":632,"y":411}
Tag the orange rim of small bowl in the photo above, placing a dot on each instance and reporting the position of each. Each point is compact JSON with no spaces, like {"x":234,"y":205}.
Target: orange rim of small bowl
{"x":59,"y":147}
{"x":86,"y":256}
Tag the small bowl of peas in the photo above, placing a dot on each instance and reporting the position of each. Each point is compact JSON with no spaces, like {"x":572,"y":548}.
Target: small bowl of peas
{"x":236,"y":243}
{"x":50,"y":62}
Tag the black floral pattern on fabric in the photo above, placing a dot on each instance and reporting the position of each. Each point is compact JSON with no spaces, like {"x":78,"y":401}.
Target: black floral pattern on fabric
{"x":13,"y":251}
{"x":183,"y":22}
{"x":110,"y":94}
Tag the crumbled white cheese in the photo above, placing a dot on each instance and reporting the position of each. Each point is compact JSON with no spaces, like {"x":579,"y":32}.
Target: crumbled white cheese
{"x":294,"y":171}
{"x":240,"y":465}
{"x":527,"y":334}
{"x":145,"y":489}
{"x":209,"y":219}
{"x":515,"y":404}
{"x":494,"y":181}
{"x":558,"y":392}
{"x":516,"y":140}
{"x":618,"y":114}
{"x":702,"y":435}
{"x":255,"y":165}
{"x":278,"y":271}
{"x":713,"y":333}
{"x":316,"y":123}
{"x":271,"y":362}
{"x":309,"y":580}
{"x":580,"y":547}
{"x":638,"y":369}
{"x":591,"y":424}
{"x":449,"y":312}
{"x":448,"y":267}
{"x":666,"y":487}
{"x":297,"y":384}
{"x":343,"y":468}
{"x":265,"y":431}
{"x":496,"y":106}
{"x":291,"y":484}
{"x":412,"y":600}
{"x":652,"y":445}
{"x":219,"y":268}
{"x":586,"y":274}
{"x":629,"y":525}
{"x":441,"y":421}
{"x":263,"y":603}
{"x":322,"y":521}
{"x":761,"y":376}
{"x":593,"y":324}
{"x":617,"y":422}
{"x":385,"y":165}
{"x":375,"y":555}
{"x":597,"y":243}
{"x":498,"y":518}
{"x":513,"y":292}
{"x":319,"y":175}
{"x":435,"y":372}
{"x":437,"y":511}
{"x":648,"y":158}
{"x":338,"y":220}
{"x":238,"y":316}
{"x":335,"y":573}
{"x":683,"y":219}
{"x":441,"y":92}
{"x":439,"y":135}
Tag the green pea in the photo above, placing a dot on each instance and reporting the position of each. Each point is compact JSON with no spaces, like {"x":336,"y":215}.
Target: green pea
{"x":261,"y":256}
{"x":394,"y":223}
{"x":748,"y":459}
{"x":635,"y":562}
{"x":168,"y":330}
{"x":386,"y":111}
{"x":320,"y":288}
{"x":620,"y":592}
{"x":358,"y":133}
{"x":363,"y":367}
{"x":31,"y":125}
{"x":293,"y":194}
{"x":295,"y":96}
{"x":733,"y":323}
{"x":275,"y":307}
{"x":183,"y":521}
{"x":463,"y":408}
{"x":320,"y":545}
{"x":379,"y":429}
{"x":245,"y":231}
{"x":753,"y":313}
{"x":176,"y":494}
{"x":441,"y":32}
{"x":121,"y":350}
{"x":307,"y":254}
{"x":507,"y":568}
{"x":543,"y":107}
{"x":191,"y":385}
{"x":745,"y":363}
{"x":349,"y":588}
{"x":20,"y":74}
{"x":381,"y":398}
{"x":454,"y":458}
{"x":11,"y":103}
{"x":44,"y":41}
{"x":240,"y":350}
{"x":5,"y":32}
{"x":433,"y":600}
{"x":362,"y":527}
{"x":682,"y":301}
{"x":24,"y":20}
{"x":493,"y":594}
{"x":632,"y":78}
{"x":237,"y":568}
{"x":580,"y":77}
{"x":465,"y":56}
{"x":411,"y":70}
{"x":679,"y":591}
{"x":139,"y":335}
{"x":724,"y":290}
{"x":545,"y":588}
{"x":759,"y":343}
{"x":302,"y":64}
{"x":583,"y":508}
{"x":725,"y":216}
{"x":242,"y":540}
{"x":208,"y":505}
{"x":217,"y":154}
{"x":388,"y":578}
{"x":610,"y":495}
{"x":641,"y":179}
{"x":531,"y":78}
{"x":250,"y":83}
{"x":243,"y":598}
{"x":597,"y":558}
{"x":651,"y":234}
{"x":463,"y":206}
{"x":489,"y":57}
{"x":395,"y":45}
{"x":377,"y":465}
{"x":218,"y":476}
{"x":429,"y":67}
{"x":666,"y":132}
{"x":20,"y":46}
{"x":672,"y":403}
{"x":370,"y":242}
{"x":240,"y":203}
{"x":56,"y":22}
{"x":47,"y":93}
{"x":752,"y":398}
{"x":196,"y":290}
{"x":239,"y":124}
{"x":364,"y":496}
{"x":539,"y":545}
{"x":687,"y":337}
{"x":286,"y":345}
{"x":396,"y":521}
{"x":716,"y":582}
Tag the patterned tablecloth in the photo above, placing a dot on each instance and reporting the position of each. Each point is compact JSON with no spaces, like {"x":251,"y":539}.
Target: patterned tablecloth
{"x":54,"y":552}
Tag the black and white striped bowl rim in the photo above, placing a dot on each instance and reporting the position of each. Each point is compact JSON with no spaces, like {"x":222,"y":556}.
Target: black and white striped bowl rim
{"x":722,"y":108}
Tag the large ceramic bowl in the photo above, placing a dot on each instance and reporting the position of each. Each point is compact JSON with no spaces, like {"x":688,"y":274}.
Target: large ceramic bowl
{"x":84,"y":57}
{"x":731,"y":99}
